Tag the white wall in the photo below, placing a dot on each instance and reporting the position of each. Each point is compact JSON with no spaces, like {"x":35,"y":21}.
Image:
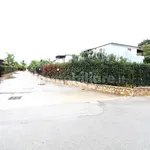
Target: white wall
{"x":67,"y":59}
{"x":59,"y":61}
{"x":121,"y":51}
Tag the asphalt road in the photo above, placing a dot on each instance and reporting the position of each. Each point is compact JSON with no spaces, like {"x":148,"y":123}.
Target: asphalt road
{"x":57,"y":117}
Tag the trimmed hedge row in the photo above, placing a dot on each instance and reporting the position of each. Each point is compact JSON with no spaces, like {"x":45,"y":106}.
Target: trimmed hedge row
{"x":6,"y":69}
{"x":117,"y":74}
{"x":98,"y":68}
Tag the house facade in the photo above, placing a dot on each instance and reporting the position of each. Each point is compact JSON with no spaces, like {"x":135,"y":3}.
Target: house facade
{"x":63,"y":58}
{"x":131,"y":53}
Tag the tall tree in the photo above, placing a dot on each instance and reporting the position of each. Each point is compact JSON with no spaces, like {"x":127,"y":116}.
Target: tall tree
{"x":145,"y":46}
{"x":10,"y":59}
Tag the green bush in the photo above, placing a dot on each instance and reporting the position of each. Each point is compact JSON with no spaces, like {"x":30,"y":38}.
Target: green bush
{"x":21,"y":68}
{"x":7,"y":69}
{"x":147,"y":60}
{"x":99,"y":68}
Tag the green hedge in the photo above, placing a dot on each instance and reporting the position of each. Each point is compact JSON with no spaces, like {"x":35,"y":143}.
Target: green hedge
{"x":6,"y":69}
{"x":21,"y":68}
{"x":100,"y":69}
{"x":110,"y":74}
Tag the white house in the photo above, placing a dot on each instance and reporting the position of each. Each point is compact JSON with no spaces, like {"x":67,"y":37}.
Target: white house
{"x":63,"y":58}
{"x":131,"y":53}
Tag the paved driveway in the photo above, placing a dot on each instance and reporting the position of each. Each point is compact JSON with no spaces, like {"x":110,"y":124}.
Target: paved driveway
{"x":34,"y":91}
{"x":63,"y":118}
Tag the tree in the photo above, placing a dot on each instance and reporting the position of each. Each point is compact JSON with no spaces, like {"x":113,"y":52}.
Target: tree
{"x":44,"y":62}
{"x":10,"y":59}
{"x":16,"y":64}
{"x":37,"y":64}
{"x":23,"y":63}
{"x":147,"y":60}
{"x":145,"y":46}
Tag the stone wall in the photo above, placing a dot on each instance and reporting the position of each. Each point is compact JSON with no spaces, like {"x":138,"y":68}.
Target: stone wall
{"x":141,"y":91}
{"x":125,"y":91}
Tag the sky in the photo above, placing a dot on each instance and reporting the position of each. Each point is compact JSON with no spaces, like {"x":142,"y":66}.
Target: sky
{"x":42,"y":29}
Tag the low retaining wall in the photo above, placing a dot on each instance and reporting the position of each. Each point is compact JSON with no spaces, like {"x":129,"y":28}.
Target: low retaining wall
{"x":6,"y":76}
{"x":137,"y":91}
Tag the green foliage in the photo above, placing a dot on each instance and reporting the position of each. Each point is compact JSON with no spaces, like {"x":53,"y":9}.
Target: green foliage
{"x":145,"y":46}
{"x":8,"y":65}
{"x":6,"y":69}
{"x":147,"y":60}
{"x":37,"y":64}
{"x":10,"y":59}
{"x":21,"y":67}
{"x":99,"y":68}
{"x":23,"y":63}
{"x":144,"y":42}
{"x":16,"y":64}
{"x":11,"y":63}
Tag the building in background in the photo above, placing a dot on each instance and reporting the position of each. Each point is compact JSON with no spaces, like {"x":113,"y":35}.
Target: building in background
{"x":63,"y":58}
{"x":131,"y":53}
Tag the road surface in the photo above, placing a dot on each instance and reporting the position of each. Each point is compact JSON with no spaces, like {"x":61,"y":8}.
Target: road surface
{"x":35,"y":115}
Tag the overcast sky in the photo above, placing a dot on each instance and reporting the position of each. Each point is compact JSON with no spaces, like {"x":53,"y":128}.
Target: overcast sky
{"x":35,"y":29}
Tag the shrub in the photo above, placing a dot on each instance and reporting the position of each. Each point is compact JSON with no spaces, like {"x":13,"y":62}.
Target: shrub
{"x":100,"y":69}
{"x":7,"y":69}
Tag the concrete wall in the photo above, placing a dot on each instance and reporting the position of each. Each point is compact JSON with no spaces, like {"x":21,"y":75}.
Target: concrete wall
{"x":138,"y":91}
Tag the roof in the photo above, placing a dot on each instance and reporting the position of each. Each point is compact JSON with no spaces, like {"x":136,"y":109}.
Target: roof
{"x":62,"y":56}
{"x":112,"y":44}
{"x":123,"y":45}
